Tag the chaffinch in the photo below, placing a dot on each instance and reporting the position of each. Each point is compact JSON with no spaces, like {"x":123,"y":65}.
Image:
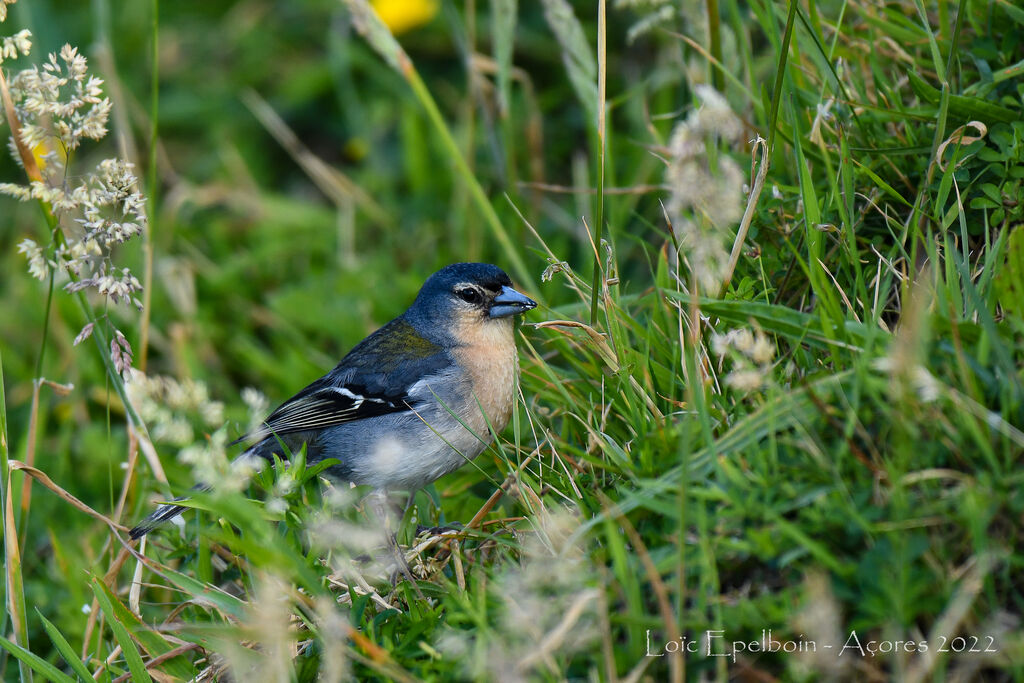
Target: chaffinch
{"x":413,"y":401}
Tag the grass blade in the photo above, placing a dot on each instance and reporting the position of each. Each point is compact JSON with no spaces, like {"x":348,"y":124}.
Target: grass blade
{"x":152,"y":181}
{"x":602,"y":79}
{"x":3,"y":479}
{"x":576,"y":53}
{"x":780,"y":76}
{"x":15,"y":580}
{"x":34,"y":662}
{"x":62,"y":645}
{"x":121,"y":635}
{"x":380,"y":38}
{"x":14,"y":588}
{"x":503,"y":33}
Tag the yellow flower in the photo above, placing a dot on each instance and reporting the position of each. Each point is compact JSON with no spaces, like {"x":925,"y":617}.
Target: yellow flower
{"x":40,"y":151}
{"x":405,"y":15}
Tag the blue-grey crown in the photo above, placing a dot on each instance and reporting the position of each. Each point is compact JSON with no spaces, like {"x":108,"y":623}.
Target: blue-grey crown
{"x":483,"y":274}
{"x":434,"y":302}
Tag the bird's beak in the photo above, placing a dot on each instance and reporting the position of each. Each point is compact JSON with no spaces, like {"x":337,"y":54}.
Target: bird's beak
{"x":510,"y":302}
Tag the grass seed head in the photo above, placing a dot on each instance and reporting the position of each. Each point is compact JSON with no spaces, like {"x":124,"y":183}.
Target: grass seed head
{"x":705,"y":190}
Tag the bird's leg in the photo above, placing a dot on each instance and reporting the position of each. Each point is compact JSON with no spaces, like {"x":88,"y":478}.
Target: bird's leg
{"x":408,"y":503}
{"x":420,"y":528}
{"x":378,"y":501}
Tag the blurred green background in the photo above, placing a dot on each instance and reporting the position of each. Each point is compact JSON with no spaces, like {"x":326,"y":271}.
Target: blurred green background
{"x":303,"y":193}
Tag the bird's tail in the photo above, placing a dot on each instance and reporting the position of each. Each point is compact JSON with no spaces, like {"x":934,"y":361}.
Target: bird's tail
{"x":164,"y":513}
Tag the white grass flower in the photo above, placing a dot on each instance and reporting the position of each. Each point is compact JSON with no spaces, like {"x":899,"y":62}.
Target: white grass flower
{"x":661,"y":12}
{"x":172,"y":430}
{"x":13,"y":46}
{"x":119,"y":287}
{"x":351,"y":538}
{"x":752,"y":353}
{"x":823,"y":113}
{"x":903,"y":361}
{"x":754,"y":345}
{"x":84,"y":334}
{"x":212,"y":412}
{"x":173,"y":409}
{"x":211,"y":466}
{"x":19,"y":192}
{"x":745,"y":381}
{"x":268,"y":628}
{"x":334,"y":629}
{"x":549,"y":603}
{"x":38,"y":267}
{"x":705,"y":195}
{"x":60,"y":100}
{"x":716,"y":117}
{"x":741,"y":340}
{"x":762,"y":351}
{"x":820,"y":618}
{"x":924,"y":383}
{"x":58,"y":105}
{"x":275,"y":505}
{"x":257,"y":404}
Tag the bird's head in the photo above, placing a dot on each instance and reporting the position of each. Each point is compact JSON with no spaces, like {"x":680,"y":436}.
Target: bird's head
{"x":468,"y":294}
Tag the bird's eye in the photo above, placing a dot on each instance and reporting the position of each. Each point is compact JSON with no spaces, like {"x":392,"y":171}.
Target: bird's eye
{"x":469,"y":295}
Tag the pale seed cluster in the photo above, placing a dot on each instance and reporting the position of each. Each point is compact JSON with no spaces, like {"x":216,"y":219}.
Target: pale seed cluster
{"x":752,"y":354}
{"x":653,"y":13}
{"x":12,"y":46}
{"x":549,"y":607}
{"x":265,"y":651}
{"x":59,"y":102}
{"x":910,"y":374}
{"x":705,"y":188}
{"x":210,"y":464}
{"x":168,"y":397}
{"x":172,"y":407}
{"x":57,"y":106}
{"x":258,"y":404}
{"x":3,"y":8}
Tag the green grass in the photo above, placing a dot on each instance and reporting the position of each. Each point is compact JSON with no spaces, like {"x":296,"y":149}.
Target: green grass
{"x":848,"y":474}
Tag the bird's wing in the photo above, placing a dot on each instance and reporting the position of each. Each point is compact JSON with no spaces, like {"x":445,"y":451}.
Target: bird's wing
{"x":373,"y":379}
{"x":324,"y":407}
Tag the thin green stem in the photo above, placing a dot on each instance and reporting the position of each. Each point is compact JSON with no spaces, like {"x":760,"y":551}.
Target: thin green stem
{"x":933,"y":45}
{"x":151,"y":186}
{"x":14,"y":593}
{"x":961,"y":8}
{"x":55,"y":237}
{"x":3,"y":485}
{"x":383,"y":41}
{"x":602,"y":72}
{"x":419,"y":88}
{"x":103,"y":343}
{"x":33,"y":422}
{"x":46,"y":324}
{"x":715,"y":38}
{"x":780,"y":76}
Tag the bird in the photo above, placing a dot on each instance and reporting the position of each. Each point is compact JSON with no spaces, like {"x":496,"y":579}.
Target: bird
{"x":411,"y":402}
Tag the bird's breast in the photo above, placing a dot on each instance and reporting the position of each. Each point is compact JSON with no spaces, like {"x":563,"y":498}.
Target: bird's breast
{"x":488,"y":357}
